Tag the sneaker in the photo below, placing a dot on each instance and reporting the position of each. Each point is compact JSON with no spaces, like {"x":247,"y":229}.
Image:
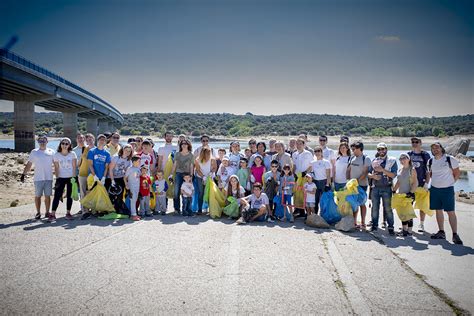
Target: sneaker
{"x":241,"y":221}
{"x":439,"y":235}
{"x":69,"y":216}
{"x":155,"y":213}
{"x":292,"y":219}
{"x":421,"y":228}
{"x":86,"y":215}
{"x":148,"y":214}
{"x":384,"y":225}
{"x":403,"y":233}
{"x":79,"y":213}
{"x":46,"y":215}
{"x":373,"y":229}
{"x":270,"y":220}
{"x":135,"y":218}
{"x":456,"y":239}
{"x":391,"y":232}
{"x":51,"y":218}
{"x":163,"y":213}
{"x":38,"y":216}
{"x":199,"y":212}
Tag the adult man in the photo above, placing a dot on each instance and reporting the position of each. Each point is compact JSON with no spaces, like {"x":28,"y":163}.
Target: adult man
{"x":383,"y":170}
{"x":84,"y":167}
{"x":358,"y":168}
{"x":444,"y":172}
{"x":419,"y":159}
{"x":271,"y":144}
{"x":113,"y":146}
{"x":328,"y":153}
{"x":79,"y":149}
{"x":291,"y":146}
{"x":281,"y":156}
{"x":42,"y":158}
{"x":305,"y":137}
{"x":165,"y":150}
{"x":204,"y":142}
{"x":98,"y":160}
{"x":301,"y":165}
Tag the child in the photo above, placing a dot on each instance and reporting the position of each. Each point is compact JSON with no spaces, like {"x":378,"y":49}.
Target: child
{"x":160,"y":193}
{"x":132,"y":183}
{"x":255,"y":206}
{"x":257,"y":170}
{"x":223,"y":173}
{"x":187,"y":191}
{"x":145,"y":185}
{"x":286,"y":188}
{"x":220,"y":155}
{"x":244,"y":175}
{"x":272,"y":181}
{"x":310,"y":191}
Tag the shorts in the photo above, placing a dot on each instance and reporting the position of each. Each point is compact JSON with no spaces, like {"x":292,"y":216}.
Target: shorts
{"x":442,"y":199}
{"x":310,"y":204}
{"x":44,"y":187}
{"x":261,"y":218}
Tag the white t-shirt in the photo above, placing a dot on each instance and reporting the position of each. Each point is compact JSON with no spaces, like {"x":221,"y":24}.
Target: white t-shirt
{"x":302,"y":160}
{"x":198,"y":151}
{"x":257,"y":202}
{"x":133,"y":177}
{"x":165,"y":151}
{"x":308,"y":187}
{"x":330,"y":156}
{"x":319,"y":168}
{"x":341,"y":167}
{"x":43,"y":162}
{"x":188,"y":189}
{"x":65,"y":164}
{"x":121,"y":166}
{"x":441,"y":174}
{"x":78,"y":151}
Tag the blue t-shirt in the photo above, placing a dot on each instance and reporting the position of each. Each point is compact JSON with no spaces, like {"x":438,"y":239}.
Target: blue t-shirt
{"x":99,"y":159}
{"x":420,"y":162}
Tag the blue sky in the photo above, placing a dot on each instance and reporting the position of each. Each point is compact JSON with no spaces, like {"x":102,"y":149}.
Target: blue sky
{"x":376,"y":58}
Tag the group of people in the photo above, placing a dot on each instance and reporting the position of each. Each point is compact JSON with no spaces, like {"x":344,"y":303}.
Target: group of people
{"x":253,"y":176}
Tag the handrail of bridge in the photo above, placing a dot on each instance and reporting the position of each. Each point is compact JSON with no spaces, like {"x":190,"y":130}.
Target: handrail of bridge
{"x":25,"y":62}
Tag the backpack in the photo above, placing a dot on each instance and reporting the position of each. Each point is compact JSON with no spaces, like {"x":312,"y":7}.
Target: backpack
{"x":354,"y":157}
{"x":448,"y":160}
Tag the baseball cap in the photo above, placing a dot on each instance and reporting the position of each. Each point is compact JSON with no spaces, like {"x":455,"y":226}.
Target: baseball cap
{"x":381,"y":145}
{"x":404,"y":155}
{"x":101,"y":136}
{"x":225,"y":158}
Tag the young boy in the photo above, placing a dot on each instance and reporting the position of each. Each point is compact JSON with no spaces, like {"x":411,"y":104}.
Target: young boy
{"x":160,"y":193}
{"x":310,"y":191}
{"x":220,"y":155}
{"x":255,"y":206}
{"x":145,"y":185}
{"x":187,"y":191}
{"x":132,"y":183}
{"x":244,"y":175}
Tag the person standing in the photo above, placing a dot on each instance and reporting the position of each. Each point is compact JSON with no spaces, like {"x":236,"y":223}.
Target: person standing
{"x":302,"y":164}
{"x":444,"y":172}
{"x":42,"y":159}
{"x":328,"y":153}
{"x":165,"y":150}
{"x":114,"y":146}
{"x":118,"y":167}
{"x":205,"y":167}
{"x":204,"y":143}
{"x":183,"y":163}
{"x":291,"y":146}
{"x":252,"y":146}
{"x":234,"y":157}
{"x":340,"y":167}
{"x":81,"y":146}
{"x":358,"y":168}
{"x":321,"y":170}
{"x":384,"y":170}
{"x":84,"y":167}
{"x":65,"y":161}
{"x":419,"y":158}
{"x":281,"y":156}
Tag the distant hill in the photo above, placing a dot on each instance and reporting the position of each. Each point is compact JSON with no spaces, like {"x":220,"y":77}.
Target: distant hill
{"x":245,"y":125}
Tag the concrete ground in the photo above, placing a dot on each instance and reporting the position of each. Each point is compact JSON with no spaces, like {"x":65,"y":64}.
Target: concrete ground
{"x":172,"y":265}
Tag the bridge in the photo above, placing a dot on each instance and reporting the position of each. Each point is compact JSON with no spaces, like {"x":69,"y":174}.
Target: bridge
{"x":27,"y":85}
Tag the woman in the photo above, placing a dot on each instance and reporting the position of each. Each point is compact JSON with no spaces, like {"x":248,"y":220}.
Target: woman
{"x":340,"y":168}
{"x":407,"y":182}
{"x":266,"y":159}
{"x":204,"y":165}
{"x":65,"y":162}
{"x":183,"y":163}
{"x":118,"y":167}
{"x":234,"y":157}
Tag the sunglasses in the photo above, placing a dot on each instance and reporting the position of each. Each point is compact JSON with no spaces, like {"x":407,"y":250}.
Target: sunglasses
{"x":318,"y":151}
{"x":381,"y":149}
{"x":41,"y":141}
{"x":115,"y":137}
{"x":65,"y":144}
{"x":415,"y":141}
{"x":274,"y":166}
{"x":323,"y":140}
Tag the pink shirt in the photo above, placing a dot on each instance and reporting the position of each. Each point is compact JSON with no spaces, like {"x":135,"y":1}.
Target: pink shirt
{"x":257,"y":172}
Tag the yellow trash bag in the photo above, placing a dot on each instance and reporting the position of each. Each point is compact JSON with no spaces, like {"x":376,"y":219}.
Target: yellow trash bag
{"x":422,"y":201}
{"x":351,"y":186}
{"x":90,"y":182}
{"x":344,"y":207}
{"x":167,"y":173}
{"x":404,"y":206}
{"x":298,"y":197}
{"x":216,"y":200}
{"x":97,"y":200}
{"x":152,"y":200}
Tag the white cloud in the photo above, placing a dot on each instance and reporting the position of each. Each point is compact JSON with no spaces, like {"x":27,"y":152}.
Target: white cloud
{"x":388,"y":38}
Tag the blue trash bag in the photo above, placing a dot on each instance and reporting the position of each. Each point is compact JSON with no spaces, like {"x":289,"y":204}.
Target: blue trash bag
{"x":329,"y":208}
{"x":194,"y":205}
{"x":357,"y":200}
{"x":279,"y":209}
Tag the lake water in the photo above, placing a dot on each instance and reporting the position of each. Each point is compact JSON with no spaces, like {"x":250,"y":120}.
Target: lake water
{"x":465,"y":182}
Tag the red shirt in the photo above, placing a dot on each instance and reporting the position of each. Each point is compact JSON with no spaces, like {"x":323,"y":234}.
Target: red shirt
{"x":145,"y":185}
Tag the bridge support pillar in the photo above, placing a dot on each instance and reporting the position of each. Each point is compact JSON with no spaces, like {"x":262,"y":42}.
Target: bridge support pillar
{"x":112,"y":128}
{"x":103,"y":126}
{"x":24,"y":125}
{"x":70,"y":126}
{"x":92,"y":126}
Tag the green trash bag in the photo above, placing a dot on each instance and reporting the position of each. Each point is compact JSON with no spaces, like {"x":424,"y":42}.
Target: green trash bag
{"x":112,"y":216}
{"x":75,"y":193}
{"x":232,"y":210}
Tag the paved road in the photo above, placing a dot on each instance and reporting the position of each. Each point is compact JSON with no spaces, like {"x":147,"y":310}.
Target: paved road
{"x":198,"y":265}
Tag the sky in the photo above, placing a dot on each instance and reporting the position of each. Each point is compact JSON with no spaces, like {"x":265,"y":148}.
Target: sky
{"x":370,"y":57}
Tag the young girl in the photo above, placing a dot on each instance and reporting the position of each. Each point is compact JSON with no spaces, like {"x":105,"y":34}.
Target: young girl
{"x":244,"y":175}
{"x":65,"y":161}
{"x":234,"y":189}
{"x":132,"y":183}
{"x":310,"y":190}
{"x":286,"y":189}
{"x":407,"y":182}
{"x":257,"y":170}
{"x":118,"y":166}
{"x":224,"y":173}
{"x":205,"y":166}
{"x":342,"y":161}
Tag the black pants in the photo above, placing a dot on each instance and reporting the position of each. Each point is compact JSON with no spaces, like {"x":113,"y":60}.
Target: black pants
{"x":118,"y":181}
{"x":59,"y":190}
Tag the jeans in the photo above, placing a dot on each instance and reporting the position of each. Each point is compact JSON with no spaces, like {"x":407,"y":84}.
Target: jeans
{"x":58,"y":193}
{"x":320,"y":185}
{"x":200,"y":192}
{"x":187,"y":202}
{"x":384,"y":193}
{"x":178,"y":181}
{"x":144,"y":205}
{"x":339,"y":186}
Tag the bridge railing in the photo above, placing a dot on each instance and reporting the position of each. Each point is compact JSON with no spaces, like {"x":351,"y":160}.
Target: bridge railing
{"x":26,"y":63}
